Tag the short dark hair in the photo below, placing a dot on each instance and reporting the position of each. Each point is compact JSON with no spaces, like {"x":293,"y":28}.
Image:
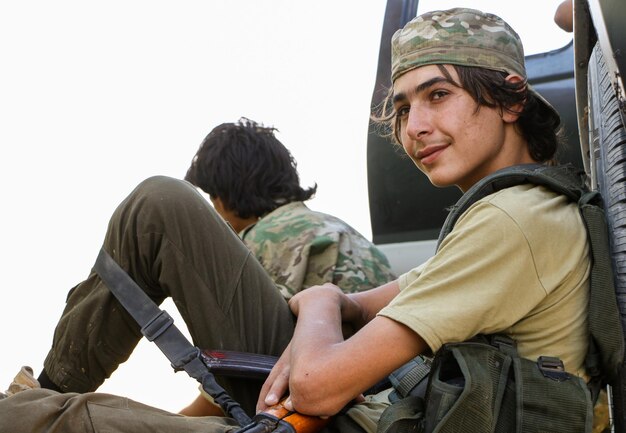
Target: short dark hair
{"x":247,"y":168}
{"x":539,"y":125}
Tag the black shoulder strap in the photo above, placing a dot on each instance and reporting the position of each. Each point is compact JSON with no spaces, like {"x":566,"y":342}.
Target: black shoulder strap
{"x":606,"y":346}
{"x":158,"y":326}
{"x":563,"y":179}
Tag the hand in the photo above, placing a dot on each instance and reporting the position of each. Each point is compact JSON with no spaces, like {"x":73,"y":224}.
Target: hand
{"x":352,"y":314}
{"x":321,"y":293}
{"x":276,"y":384}
{"x":326,"y":293}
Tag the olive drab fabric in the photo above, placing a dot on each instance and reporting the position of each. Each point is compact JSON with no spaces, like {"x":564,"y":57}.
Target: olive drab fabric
{"x":300,"y":248}
{"x":482,"y":386}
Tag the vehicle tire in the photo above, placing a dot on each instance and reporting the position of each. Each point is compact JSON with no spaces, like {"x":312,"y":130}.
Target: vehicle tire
{"x":608,"y":144}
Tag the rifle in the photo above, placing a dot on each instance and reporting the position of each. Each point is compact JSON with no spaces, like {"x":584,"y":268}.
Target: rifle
{"x":277,"y":419}
{"x":158,"y":326}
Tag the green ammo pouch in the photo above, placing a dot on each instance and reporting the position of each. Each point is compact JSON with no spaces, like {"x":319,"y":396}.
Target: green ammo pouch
{"x":481,"y":387}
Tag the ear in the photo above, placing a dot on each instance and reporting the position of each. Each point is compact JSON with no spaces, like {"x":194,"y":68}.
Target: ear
{"x":512,"y":114}
{"x":219,"y":206}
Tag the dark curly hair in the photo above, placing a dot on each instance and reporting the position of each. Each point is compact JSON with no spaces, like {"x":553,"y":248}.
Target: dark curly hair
{"x":248,"y":168}
{"x":539,"y":125}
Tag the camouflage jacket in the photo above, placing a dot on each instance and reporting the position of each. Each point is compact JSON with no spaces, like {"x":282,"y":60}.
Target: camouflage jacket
{"x":300,"y":248}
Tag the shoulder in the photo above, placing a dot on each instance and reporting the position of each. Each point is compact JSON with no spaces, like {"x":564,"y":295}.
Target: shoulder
{"x":295,"y":224}
{"x":524,"y":217}
{"x":531,"y":208}
{"x":287,"y":220}
{"x":291,"y":213}
{"x":296,"y":216}
{"x":533,"y":220}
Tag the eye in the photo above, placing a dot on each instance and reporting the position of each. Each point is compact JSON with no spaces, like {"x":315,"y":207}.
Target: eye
{"x":438,"y":94}
{"x":402,"y":111}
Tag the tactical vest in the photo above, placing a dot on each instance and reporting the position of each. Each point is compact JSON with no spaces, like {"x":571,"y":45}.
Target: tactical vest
{"x":483,"y":385}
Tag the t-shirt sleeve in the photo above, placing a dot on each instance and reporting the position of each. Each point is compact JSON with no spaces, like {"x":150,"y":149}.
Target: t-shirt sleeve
{"x":483,"y":279}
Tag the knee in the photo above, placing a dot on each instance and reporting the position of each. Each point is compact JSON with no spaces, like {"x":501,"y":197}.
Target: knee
{"x":161,"y":201}
{"x":164,"y":190}
{"x":158,"y":184}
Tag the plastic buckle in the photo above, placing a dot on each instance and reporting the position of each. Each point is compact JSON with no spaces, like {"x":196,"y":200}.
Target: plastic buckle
{"x":552,"y":368}
{"x":157,"y":325}
{"x":498,"y":340}
{"x":504,"y":344}
{"x":185,"y":359}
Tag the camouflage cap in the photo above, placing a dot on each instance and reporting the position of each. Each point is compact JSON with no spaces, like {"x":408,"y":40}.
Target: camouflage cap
{"x":459,"y":36}
{"x":466,"y":37}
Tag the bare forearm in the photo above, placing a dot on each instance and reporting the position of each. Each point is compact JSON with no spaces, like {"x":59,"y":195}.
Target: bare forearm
{"x":336,"y":373}
{"x":326,"y":372}
{"x":317,"y":334}
{"x":317,"y":329}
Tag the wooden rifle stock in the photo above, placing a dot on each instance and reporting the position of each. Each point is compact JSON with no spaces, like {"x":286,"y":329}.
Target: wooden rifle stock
{"x":278,"y":419}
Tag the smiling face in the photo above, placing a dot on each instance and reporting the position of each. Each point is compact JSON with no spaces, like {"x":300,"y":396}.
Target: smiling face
{"x":447,"y":135}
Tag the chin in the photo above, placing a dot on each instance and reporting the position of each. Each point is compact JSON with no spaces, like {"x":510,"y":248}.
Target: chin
{"x":440,"y":181}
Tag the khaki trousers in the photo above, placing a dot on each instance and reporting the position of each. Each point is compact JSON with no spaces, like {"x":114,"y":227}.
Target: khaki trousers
{"x":172,"y":243}
{"x":43,"y":410}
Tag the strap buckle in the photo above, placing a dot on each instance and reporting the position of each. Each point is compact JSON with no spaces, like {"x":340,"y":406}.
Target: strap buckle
{"x":157,"y":325}
{"x":552,"y":368}
{"x":504,"y":344}
{"x":184,"y":362}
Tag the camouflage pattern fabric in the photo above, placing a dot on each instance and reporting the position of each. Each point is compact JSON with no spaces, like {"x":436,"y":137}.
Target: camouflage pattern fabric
{"x":300,"y":248}
{"x":459,"y":36}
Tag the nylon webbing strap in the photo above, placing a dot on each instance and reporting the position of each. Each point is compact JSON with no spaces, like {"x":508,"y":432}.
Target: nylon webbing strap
{"x":158,"y":326}
{"x":604,"y":319}
{"x":410,"y":375}
{"x":402,"y":416}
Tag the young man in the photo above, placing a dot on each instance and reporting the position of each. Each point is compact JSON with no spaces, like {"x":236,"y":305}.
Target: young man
{"x":515,"y":263}
{"x":252,"y":181}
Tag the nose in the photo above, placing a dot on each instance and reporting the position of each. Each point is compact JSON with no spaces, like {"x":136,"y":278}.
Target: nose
{"x":418,"y":123}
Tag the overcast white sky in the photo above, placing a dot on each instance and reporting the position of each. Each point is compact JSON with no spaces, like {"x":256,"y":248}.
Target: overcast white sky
{"x":96,"y":96}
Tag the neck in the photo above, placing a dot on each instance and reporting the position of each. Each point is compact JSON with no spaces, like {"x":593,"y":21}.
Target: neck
{"x":237,"y":222}
{"x":241,"y":223}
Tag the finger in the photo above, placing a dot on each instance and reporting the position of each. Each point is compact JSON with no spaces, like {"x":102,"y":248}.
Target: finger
{"x":288,"y":405}
{"x":293,"y":305}
{"x":267,"y":385}
{"x":278,"y":388}
{"x":276,"y":383}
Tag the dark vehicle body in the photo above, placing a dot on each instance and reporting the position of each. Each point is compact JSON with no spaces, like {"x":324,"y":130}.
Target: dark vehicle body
{"x":583,"y":81}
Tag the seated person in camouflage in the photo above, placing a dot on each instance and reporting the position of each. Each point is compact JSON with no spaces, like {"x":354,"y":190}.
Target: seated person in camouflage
{"x":174,"y":244}
{"x":252,"y":180}
{"x":253,"y":183}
